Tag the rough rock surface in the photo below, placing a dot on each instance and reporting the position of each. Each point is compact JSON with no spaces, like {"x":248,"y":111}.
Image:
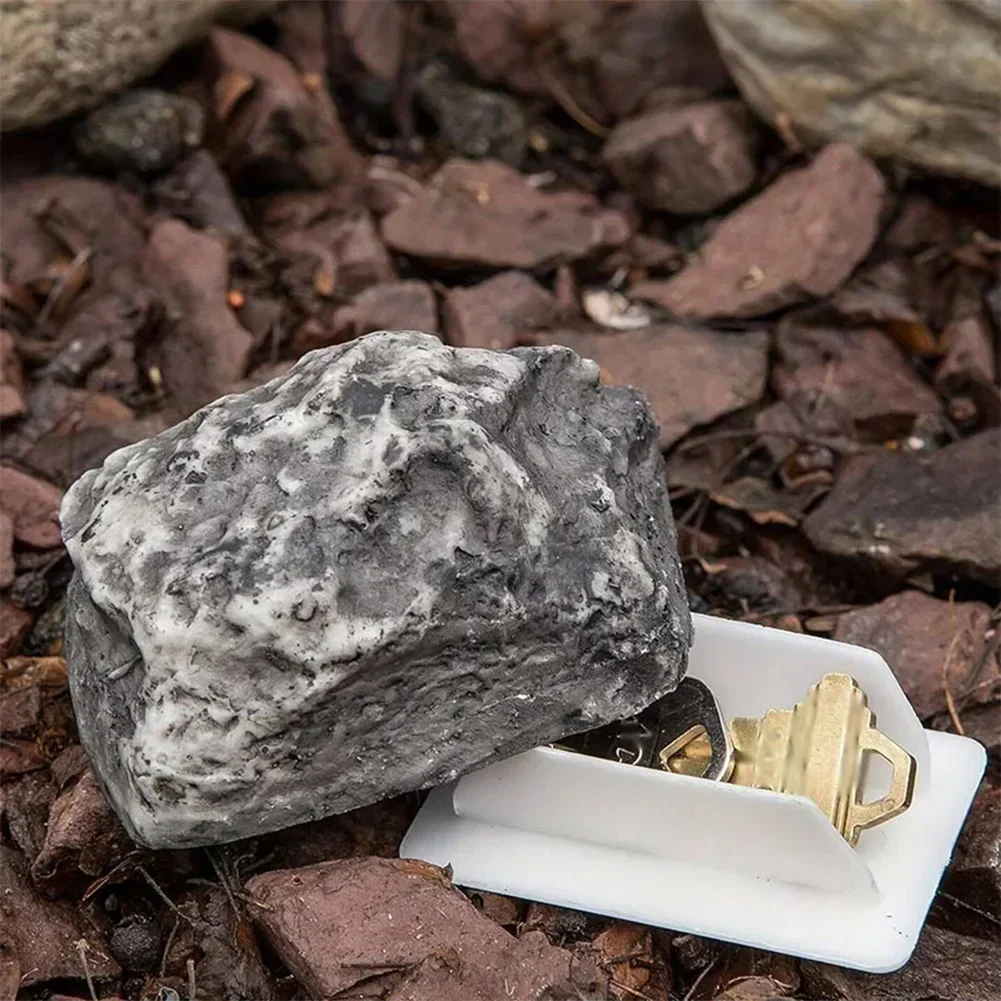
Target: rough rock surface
{"x":972,"y":883}
{"x":42,"y":935}
{"x":423,"y":920}
{"x":408,"y":305}
{"x":912,"y":512}
{"x":916,"y":635}
{"x":799,"y":239}
{"x":690,"y":376}
{"x":397,"y":562}
{"x":918,"y":81}
{"x":840,"y":381}
{"x":144,"y":130}
{"x":485,"y":213}
{"x":945,"y":966}
{"x":689,"y":159}
{"x":63,"y":57}
{"x":499,"y":312}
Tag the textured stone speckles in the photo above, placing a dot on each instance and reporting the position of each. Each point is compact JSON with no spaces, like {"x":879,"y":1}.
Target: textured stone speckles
{"x":396,"y":562}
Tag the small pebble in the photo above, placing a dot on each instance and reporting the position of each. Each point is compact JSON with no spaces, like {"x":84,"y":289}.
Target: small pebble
{"x":145,"y":131}
{"x":474,"y":123}
{"x":136,"y":943}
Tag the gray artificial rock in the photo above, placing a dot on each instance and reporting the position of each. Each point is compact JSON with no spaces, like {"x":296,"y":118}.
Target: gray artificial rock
{"x":397,"y":562}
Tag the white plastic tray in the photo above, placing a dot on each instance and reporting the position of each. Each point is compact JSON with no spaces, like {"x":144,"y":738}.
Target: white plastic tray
{"x":744,"y":865}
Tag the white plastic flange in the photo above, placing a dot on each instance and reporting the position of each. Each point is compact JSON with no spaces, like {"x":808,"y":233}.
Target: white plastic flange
{"x":743,"y":865}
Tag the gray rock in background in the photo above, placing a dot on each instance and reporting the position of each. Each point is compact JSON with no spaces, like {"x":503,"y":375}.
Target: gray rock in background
{"x":395,"y":563}
{"x":62,"y":56}
{"x":148,"y":131}
{"x":914,"y":80}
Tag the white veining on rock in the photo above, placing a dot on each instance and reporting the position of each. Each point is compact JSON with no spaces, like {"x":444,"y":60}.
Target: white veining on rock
{"x":392,"y":564}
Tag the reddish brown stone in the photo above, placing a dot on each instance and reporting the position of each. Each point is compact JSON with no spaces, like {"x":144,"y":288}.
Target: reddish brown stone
{"x":970,"y":893}
{"x":500,"y":312}
{"x":687,"y":160}
{"x":375,"y":33}
{"x":486,"y":214}
{"x":969,"y":354}
{"x":343,"y":246}
{"x":72,"y":430}
{"x":395,"y":914}
{"x":968,"y":372}
{"x":560,"y":924}
{"x":741,"y":584}
{"x":689,"y":376}
{"x":505,"y":911}
{"x":944,"y":966}
{"x":83,"y":841}
{"x":636,"y":967}
{"x":68,"y":765}
{"x":268,"y":125}
{"x":798,"y":240}
{"x":406,"y":305}
{"x":14,"y":623}
{"x":644,"y":49}
{"x":198,"y":192}
{"x":8,"y":569}
{"x":388,"y":185}
{"x":44,"y":934}
{"x":915,"y":633}
{"x":11,"y":380}
{"x":751,"y":975}
{"x":919,"y":223}
{"x":910,"y":512}
{"x":491,"y":35}
{"x":848,"y":380}
{"x":102,"y":217}
{"x":18,"y":756}
{"x":26,"y":808}
{"x":633,"y":52}
{"x":205,"y":350}
{"x":33,"y":507}
{"x":886,"y":295}
{"x":222,"y":942}
{"x":983,"y":724}
{"x":20,"y":712}
{"x":43,"y":672}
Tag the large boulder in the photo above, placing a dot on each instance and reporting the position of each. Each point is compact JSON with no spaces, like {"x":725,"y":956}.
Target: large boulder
{"x":918,"y":81}
{"x":392,"y":564}
{"x":62,"y":56}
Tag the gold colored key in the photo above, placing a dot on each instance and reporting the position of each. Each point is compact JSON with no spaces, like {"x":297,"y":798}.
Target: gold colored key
{"x":818,"y":749}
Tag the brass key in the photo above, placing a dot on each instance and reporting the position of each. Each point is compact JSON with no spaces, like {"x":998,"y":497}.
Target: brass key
{"x":818,"y":749}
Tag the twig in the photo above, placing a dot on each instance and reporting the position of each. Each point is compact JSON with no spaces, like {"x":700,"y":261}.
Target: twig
{"x":950,"y":702}
{"x":191,"y":980}
{"x":698,"y":980}
{"x":969,"y":907}
{"x":163,"y":896}
{"x":988,"y":651}
{"x":169,"y":943}
{"x":58,"y":285}
{"x":565,"y":99}
{"x":81,"y":948}
{"x":238,"y":894}
{"x":629,"y":990}
{"x":225,"y":883}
